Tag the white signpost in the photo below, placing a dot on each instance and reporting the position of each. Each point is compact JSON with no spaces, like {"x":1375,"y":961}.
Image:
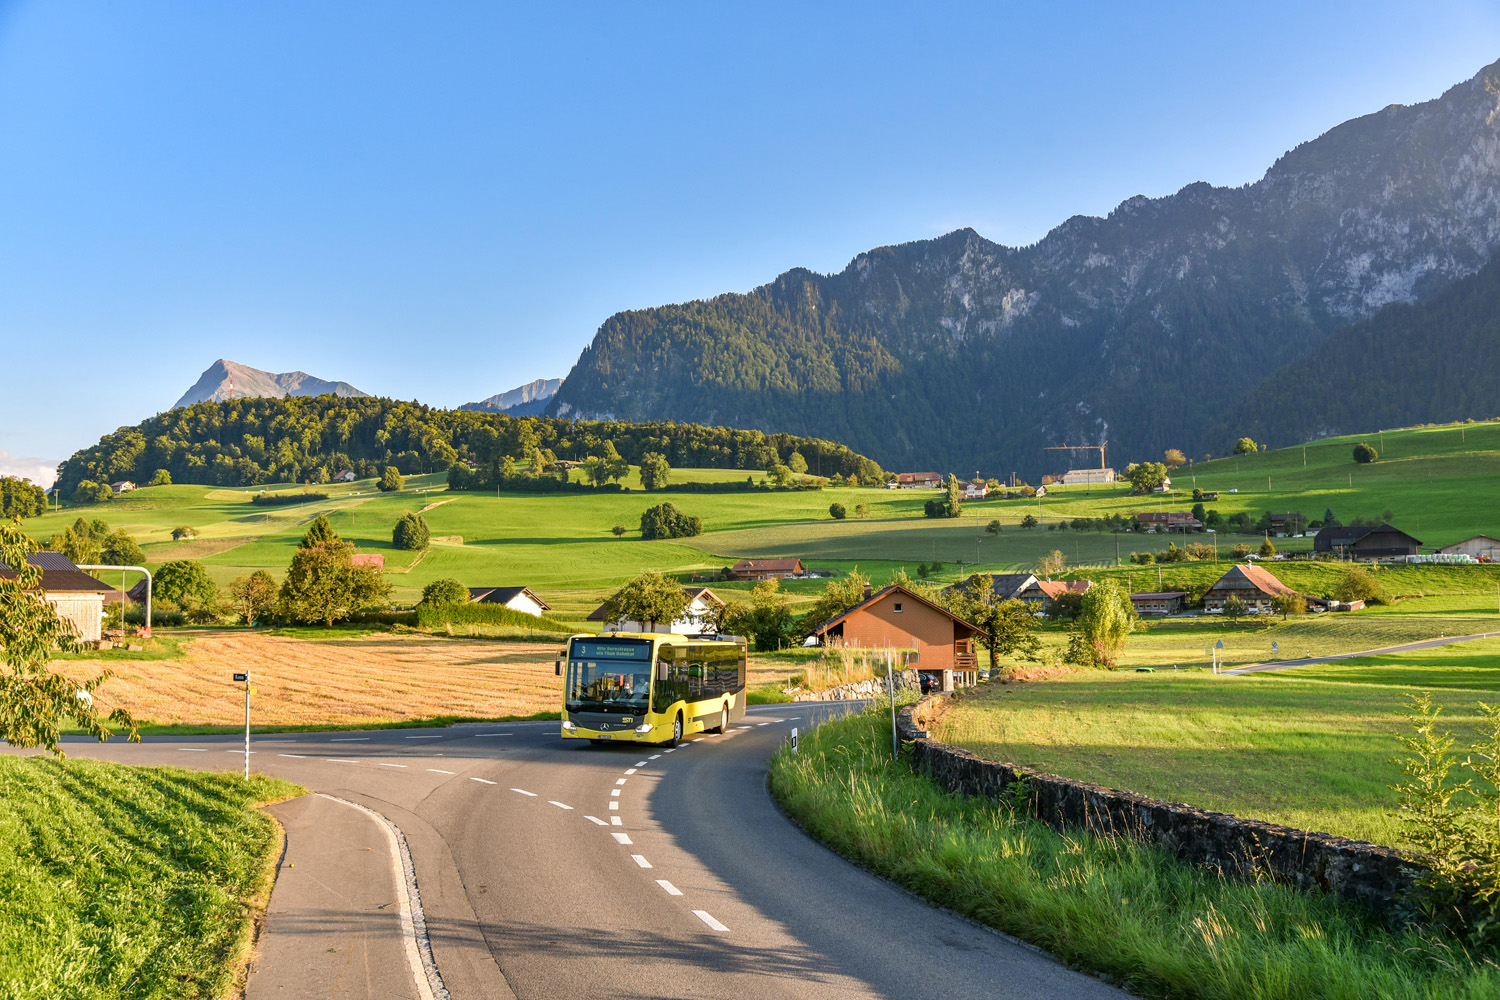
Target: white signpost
{"x":246,"y":679}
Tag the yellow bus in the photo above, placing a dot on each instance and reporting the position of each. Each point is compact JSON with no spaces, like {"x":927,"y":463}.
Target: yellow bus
{"x":651,"y":688}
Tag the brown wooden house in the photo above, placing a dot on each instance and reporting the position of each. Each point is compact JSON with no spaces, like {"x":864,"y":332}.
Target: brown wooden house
{"x":77,"y":597}
{"x":897,"y":618}
{"x":767,"y":569}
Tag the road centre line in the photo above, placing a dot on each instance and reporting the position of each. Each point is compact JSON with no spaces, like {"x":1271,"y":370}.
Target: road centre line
{"x":276,"y":741}
{"x":596,"y":820}
{"x":524,"y":792}
{"x":620,"y":781}
{"x":337,"y":760}
{"x":614,"y":803}
{"x":560,"y":805}
{"x":615,"y":821}
{"x":438,"y":770}
{"x":482,"y":781}
{"x":437,"y":737}
{"x":494,"y":734}
{"x":350,"y":739}
{"x":623,"y":838}
{"x":299,"y":756}
{"x":653,"y":756}
{"x":614,"y":791}
{"x":193,"y":749}
{"x":380,"y":763}
{"x":669,"y":750}
{"x":639,"y":763}
{"x":708,"y":919}
{"x":630,"y":770}
{"x":640,"y":860}
{"x":672,"y":890}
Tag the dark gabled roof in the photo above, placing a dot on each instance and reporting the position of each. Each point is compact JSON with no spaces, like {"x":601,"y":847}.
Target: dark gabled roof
{"x":693,"y":593}
{"x":1261,"y":579}
{"x":1158,"y":595}
{"x":767,"y":565}
{"x":503,"y":595}
{"x":51,"y":560}
{"x":876,"y":597}
{"x":1002,"y":585}
{"x":1349,"y":534}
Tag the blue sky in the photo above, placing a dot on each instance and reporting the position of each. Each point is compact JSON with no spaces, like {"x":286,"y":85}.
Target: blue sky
{"x":441,"y":201}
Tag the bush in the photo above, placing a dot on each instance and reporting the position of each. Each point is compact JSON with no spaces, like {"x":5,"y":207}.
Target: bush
{"x":1359,"y":584}
{"x":1246,"y":446}
{"x":666,"y":521}
{"x":1142,"y":558}
{"x":1029,"y":521}
{"x":438,"y":615}
{"x":619,"y":530}
{"x":1202,"y":551}
{"x":391,"y":480}
{"x":161,"y":478}
{"x":446,"y":591}
{"x":281,"y":499}
{"x":411,"y":533}
{"x":1240,"y":552}
{"x":1364,"y":454}
{"x":836,"y":511}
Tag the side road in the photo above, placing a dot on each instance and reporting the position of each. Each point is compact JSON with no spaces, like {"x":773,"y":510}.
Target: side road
{"x":1255,"y":668}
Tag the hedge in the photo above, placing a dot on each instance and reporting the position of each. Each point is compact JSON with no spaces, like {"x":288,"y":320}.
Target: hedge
{"x":438,"y":615}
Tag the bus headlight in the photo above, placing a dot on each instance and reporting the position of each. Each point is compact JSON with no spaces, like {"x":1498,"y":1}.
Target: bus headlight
{"x":643,"y":728}
{"x":569,"y":726}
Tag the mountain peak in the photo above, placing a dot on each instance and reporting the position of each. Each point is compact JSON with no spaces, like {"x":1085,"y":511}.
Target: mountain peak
{"x":527,"y":400}
{"x":225,"y":379}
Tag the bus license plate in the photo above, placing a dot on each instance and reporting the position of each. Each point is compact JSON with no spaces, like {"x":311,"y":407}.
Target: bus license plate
{"x":606,"y":736}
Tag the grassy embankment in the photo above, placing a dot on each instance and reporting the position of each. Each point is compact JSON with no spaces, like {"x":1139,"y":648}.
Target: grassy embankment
{"x":1309,"y":747}
{"x":125,"y":882}
{"x":1155,"y":926}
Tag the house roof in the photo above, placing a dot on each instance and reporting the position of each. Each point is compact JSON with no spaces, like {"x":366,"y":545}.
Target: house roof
{"x":1469,"y":541}
{"x":1349,"y":534}
{"x":1162,"y":595}
{"x":1052,"y":588}
{"x":1002,"y":585}
{"x":1260,"y":579}
{"x":767,"y":565}
{"x":693,"y":594}
{"x":880,"y":595}
{"x":504,"y":595}
{"x":60,"y":575}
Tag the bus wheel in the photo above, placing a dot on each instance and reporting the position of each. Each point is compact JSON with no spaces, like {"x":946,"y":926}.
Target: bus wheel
{"x":676,"y":730}
{"x":723,"y":720}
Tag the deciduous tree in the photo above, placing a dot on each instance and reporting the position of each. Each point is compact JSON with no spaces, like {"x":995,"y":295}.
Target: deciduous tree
{"x":1174,"y":458}
{"x":650,"y":598}
{"x":411,"y":532}
{"x":119,"y":549}
{"x":1289,"y":604}
{"x":768,"y":621}
{"x":1052,"y":563}
{"x":666,"y":521}
{"x":323,"y":585}
{"x":1104,"y":623}
{"x":391,"y":480}
{"x":654,"y":470}
{"x":1146,"y":476}
{"x":253,"y":596}
{"x":185,"y":583}
{"x":445,"y":591}
{"x":797,"y":463}
{"x":161,"y":477}
{"x":1364,"y":454}
{"x":838,"y":596}
{"x":1246,"y":446}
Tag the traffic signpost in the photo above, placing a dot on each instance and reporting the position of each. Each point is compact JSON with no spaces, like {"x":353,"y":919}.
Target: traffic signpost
{"x":245,"y":679}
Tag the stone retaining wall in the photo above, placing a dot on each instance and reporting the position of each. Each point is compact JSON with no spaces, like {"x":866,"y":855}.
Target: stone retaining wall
{"x":1351,"y":869}
{"x":873,"y":688}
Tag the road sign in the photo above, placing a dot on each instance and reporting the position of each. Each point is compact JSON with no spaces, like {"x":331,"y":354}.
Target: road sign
{"x":1219,"y":644}
{"x":241,"y":677}
{"x":794,"y":739}
{"x":1275,"y":647}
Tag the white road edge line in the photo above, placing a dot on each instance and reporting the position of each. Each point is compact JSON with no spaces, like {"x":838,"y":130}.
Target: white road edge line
{"x":483,"y":781}
{"x":596,"y":820}
{"x":623,"y":838}
{"x":708,"y":919}
{"x":640,"y":860}
{"x":672,"y":890}
{"x":350,"y":739}
{"x":524,"y":792}
{"x":418,"y":946}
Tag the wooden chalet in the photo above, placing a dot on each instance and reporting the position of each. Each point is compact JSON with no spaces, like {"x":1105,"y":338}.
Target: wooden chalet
{"x":918,"y":480}
{"x":1369,"y":542}
{"x":1168,"y":520}
{"x":1250,"y":583}
{"x":1481,"y":547}
{"x":897,"y":618}
{"x":1167,"y":602}
{"x":76,"y":597}
{"x":1041,"y":591}
{"x":767,"y":569}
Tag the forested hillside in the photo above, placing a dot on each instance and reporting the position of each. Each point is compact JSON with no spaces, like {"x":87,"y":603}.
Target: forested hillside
{"x":1432,"y":362}
{"x":1144,"y":328}
{"x":244,"y":442}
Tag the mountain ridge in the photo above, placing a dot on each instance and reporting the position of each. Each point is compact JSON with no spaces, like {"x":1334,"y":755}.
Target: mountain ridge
{"x":527,"y":400}
{"x":226,"y":379}
{"x":958,"y":351}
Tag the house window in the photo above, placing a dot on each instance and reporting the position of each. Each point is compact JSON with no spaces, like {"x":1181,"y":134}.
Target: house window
{"x":896,"y":607}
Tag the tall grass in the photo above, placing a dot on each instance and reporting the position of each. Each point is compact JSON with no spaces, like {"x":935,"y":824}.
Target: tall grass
{"x":129,"y":882}
{"x":1131,"y":914}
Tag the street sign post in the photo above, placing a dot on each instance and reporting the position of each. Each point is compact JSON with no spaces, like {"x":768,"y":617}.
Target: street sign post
{"x":245,"y":679}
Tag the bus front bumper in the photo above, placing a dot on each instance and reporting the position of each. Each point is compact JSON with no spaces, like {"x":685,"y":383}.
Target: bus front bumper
{"x":635,"y":734}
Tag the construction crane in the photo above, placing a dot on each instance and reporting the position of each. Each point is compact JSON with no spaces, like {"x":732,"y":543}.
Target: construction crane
{"x":1081,"y":447}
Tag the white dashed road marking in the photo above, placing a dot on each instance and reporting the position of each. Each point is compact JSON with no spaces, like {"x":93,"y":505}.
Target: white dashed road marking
{"x":708,"y":919}
{"x":482,"y":781}
{"x":193,"y":749}
{"x":524,"y":792}
{"x":383,"y":764}
{"x":438,"y":770}
{"x":620,"y":781}
{"x":615,"y":821}
{"x":350,"y":739}
{"x":623,"y":838}
{"x":672,"y":890}
{"x":653,"y":756}
{"x":438,"y":737}
{"x":614,"y":805}
{"x":299,"y":756}
{"x":638,"y":859}
{"x":560,"y":805}
{"x":630,"y":770}
{"x":639,"y":763}
{"x":339,"y":760}
{"x":596,"y":820}
{"x":614,"y":791}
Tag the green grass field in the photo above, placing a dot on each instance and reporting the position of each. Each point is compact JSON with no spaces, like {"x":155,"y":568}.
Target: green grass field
{"x":130,"y":882}
{"x":1309,"y":747}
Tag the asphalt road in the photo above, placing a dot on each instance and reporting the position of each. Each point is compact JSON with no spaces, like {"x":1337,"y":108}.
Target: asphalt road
{"x":1406,"y":647}
{"x":554,"y":869}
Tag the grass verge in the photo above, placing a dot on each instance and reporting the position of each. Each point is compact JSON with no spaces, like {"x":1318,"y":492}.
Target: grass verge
{"x":133,"y":882}
{"x":1126,"y":912}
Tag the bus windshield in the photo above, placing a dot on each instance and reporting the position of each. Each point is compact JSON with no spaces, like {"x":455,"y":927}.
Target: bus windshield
{"x":609,"y":676}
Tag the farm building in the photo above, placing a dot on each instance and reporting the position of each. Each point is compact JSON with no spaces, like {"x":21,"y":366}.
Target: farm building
{"x":1251,"y":584}
{"x":1480,"y":547}
{"x":1042,"y":591}
{"x":77,"y":597}
{"x":1168,"y":520}
{"x":123,"y":486}
{"x":976,"y":490}
{"x":368,"y":560}
{"x":703,"y":606}
{"x":918,"y":480}
{"x":1003,"y":586}
{"x":1165,"y":487}
{"x":1167,"y":602}
{"x":346,"y":476}
{"x":1286,"y":525}
{"x":515,"y":598}
{"x":896,"y":618}
{"x":1084,"y":477}
{"x":767,"y":569}
{"x":1379,"y":541}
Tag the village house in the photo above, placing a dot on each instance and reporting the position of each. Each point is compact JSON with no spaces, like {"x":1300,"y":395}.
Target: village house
{"x":1165,"y":487}
{"x":77,"y":597}
{"x":346,"y":476}
{"x":1003,"y":586}
{"x":1039,"y":592}
{"x":1481,"y":547}
{"x":897,"y":618}
{"x":1251,"y":584}
{"x":1366,"y":542}
{"x":1287,"y":525}
{"x":767,"y":569}
{"x":1168,"y":520}
{"x":918,"y":481}
{"x":1167,"y":602}
{"x":703,"y":607}
{"x":1086,"y":477}
{"x":124,"y":486}
{"x":516,"y":598}
{"x":976,"y":490}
